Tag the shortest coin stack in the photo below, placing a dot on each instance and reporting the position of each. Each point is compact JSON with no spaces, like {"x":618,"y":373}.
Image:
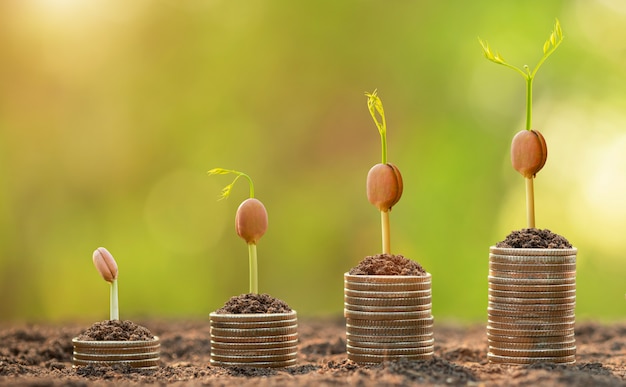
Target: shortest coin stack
{"x":532,"y":295}
{"x":143,"y":354}
{"x":388,"y":317}
{"x":254,"y":340}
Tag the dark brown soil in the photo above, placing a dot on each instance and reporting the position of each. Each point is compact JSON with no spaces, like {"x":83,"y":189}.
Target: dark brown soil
{"x":385,"y":264}
{"x":111,"y":330}
{"x":532,"y":238}
{"x":41,"y":355}
{"x":254,"y":303}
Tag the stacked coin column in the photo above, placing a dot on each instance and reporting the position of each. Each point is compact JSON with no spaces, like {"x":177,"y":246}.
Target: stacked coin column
{"x":388,"y":317}
{"x":144,"y":354}
{"x":254,"y":340}
{"x":532,"y":296}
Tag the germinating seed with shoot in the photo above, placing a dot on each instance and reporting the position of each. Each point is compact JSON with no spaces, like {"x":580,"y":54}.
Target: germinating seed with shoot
{"x":528,"y":148}
{"x":250,"y":221}
{"x":384,"y":181}
{"x":107,"y":267}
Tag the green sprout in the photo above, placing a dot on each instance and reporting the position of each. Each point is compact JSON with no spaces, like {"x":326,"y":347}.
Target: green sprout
{"x":528,"y":148}
{"x":384,"y":181}
{"x":106,"y":265}
{"x":250,"y":221}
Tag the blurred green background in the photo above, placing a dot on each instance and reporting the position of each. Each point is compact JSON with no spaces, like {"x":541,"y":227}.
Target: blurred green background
{"x":111,"y":112}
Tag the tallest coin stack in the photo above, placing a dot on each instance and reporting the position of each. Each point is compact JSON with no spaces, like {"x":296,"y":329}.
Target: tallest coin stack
{"x":532,"y":295}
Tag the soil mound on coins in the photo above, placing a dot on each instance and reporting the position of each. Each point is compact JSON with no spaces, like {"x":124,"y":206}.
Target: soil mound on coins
{"x":386,"y":264}
{"x":116,"y":330}
{"x":533,"y":238}
{"x":254,"y":303}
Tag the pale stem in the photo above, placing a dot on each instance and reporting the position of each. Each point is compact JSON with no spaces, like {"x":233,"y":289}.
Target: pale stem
{"x":254,"y":278}
{"x":530,"y":202}
{"x":384,"y":221}
{"x":115,"y":310}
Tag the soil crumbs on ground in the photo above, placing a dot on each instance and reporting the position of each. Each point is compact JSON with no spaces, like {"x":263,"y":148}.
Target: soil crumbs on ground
{"x":116,"y":330}
{"x":254,"y":303}
{"x":386,"y":264}
{"x":42,"y":355}
{"x":532,"y":238}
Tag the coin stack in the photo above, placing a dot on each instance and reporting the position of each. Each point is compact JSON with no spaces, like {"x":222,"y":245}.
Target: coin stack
{"x":144,"y":354}
{"x":388,"y":317}
{"x":254,"y":340}
{"x":532,"y":295}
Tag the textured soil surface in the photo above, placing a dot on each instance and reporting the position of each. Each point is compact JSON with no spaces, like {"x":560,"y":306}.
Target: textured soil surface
{"x":41,"y":355}
{"x":116,"y":330}
{"x":254,"y":303}
{"x":386,"y":264}
{"x":533,"y":238}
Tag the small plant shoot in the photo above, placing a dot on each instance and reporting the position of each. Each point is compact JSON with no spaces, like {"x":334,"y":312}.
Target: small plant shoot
{"x":528,"y":148}
{"x":384,"y":181}
{"x":107,"y":267}
{"x":250,"y":221}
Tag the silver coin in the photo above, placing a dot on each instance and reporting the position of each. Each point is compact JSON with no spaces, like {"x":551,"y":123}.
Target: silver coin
{"x":530,"y":320}
{"x":391,"y":308}
{"x":382,"y":294}
{"x":350,"y":338}
{"x":253,"y":352}
{"x":533,"y":345}
{"x":532,"y":288}
{"x":512,"y":338}
{"x":114,"y":357}
{"x":259,"y":317}
{"x":145,"y":364}
{"x":533,"y":333}
{"x":378,"y":287}
{"x":254,"y":339}
{"x":385,"y":324}
{"x":254,"y":324}
{"x":408,"y":301}
{"x":532,"y":307}
{"x":517,"y":294}
{"x":532,"y":268}
{"x":386,"y":315}
{"x":534,"y":314}
{"x":532,"y":252}
{"x":376,"y":331}
{"x":391,"y":345}
{"x":259,"y":364}
{"x":531,"y":281}
{"x":530,"y":360}
{"x":253,"y":346}
{"x":116,"y":344}
{"x":388,"y":279}
{"x":253,"y":358}
{"x":533,"y":275}
{"x":533,"y":259}
{"x":541,"y":326}
{"x":389,"y":351}
{"x":531,"y":301}
{"x":533,"y":352}
{"x":376,"y":359}
{"x":254,"y":332}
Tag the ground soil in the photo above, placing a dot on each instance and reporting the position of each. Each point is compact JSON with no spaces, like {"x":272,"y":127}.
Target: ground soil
{"x":533,"y":238}
{"x":41,"y":355}
{"x":387,"y":264}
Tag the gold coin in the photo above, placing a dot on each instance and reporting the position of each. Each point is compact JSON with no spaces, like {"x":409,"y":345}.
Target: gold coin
{"x":530,"y":360}
{"x":532,"y":252}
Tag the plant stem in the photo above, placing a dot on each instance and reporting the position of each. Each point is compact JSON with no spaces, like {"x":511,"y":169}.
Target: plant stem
{"x":254,"y":278}
{"x":115,"y":310}
{"x":529,"y":101}
{"x":530,"y":202}
{"x":384,"y":220}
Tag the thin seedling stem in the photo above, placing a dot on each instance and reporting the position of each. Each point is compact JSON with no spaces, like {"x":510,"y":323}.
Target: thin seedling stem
{"x":254,"y":277}
{"x":530,"y":202}
{"x":115,"y":310}
{"x":384,"y":221}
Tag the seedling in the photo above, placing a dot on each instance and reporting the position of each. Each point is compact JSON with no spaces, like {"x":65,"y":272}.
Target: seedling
{"x":104,"y":262}
{"x":250,"y":221}
{"x":384,"y":181}
{"x":528,"y":148}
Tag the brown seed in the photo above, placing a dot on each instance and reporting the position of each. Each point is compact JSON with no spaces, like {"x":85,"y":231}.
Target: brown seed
{"x":528,"y":152}
{"x":384,"y":186}
{"x":104,"y":262}
{"x":251,"y":220}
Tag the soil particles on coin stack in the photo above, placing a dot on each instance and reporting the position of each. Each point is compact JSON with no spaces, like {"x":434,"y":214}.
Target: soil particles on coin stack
{"x":532,"y":238}
{"x":254,"y":303}
{"x":387,"y":264}
{"x":116,"y":330}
